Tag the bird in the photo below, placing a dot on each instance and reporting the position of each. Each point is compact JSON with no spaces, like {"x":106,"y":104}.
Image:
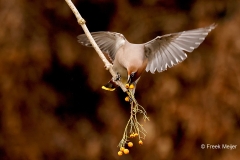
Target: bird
{"x":129,"y":60}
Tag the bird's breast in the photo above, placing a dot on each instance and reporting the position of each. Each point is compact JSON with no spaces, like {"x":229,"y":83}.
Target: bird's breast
{"x":130,"y":58}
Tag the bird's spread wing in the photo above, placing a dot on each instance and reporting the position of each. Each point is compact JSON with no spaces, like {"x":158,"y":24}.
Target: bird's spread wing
{"x":108,"y":42}
{"x":167,"y":51}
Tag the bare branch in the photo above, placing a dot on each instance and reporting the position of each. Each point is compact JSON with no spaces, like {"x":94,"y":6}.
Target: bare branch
{"x":82,"y":22}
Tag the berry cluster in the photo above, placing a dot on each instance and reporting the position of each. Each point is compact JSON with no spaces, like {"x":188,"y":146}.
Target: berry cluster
{"x":130,"y":144}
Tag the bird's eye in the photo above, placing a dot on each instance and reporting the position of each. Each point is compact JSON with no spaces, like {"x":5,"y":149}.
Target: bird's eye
{"x":132,"y":74}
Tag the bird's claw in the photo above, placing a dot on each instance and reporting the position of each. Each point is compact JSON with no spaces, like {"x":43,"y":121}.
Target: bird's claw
{"x":118,"y":77}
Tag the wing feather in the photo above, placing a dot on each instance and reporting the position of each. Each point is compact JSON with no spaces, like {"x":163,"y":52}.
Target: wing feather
{"x":168,"y":50}
{"x":108,"y":42}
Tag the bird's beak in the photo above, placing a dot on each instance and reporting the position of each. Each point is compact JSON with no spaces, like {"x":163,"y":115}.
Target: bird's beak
{"x":129,"y":79}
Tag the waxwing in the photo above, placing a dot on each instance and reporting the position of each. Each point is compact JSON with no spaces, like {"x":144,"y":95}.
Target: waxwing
{"x":130,"y":60}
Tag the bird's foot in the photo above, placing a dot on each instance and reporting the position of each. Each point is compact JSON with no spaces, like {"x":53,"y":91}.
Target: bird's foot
{"x":118,"y":77}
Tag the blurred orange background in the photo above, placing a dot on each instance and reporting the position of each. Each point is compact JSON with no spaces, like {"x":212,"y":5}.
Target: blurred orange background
{"x":52,"y":106}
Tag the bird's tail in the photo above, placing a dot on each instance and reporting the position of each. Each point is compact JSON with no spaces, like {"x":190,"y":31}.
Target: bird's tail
{"x":110,"y":86}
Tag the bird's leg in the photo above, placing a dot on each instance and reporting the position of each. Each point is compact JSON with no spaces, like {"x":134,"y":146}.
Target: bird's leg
{"x":118,"y":77}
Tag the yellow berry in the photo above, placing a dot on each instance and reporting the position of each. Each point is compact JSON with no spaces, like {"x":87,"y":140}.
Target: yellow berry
{"x":131,"y":86}
{"x":127,"y":85}
{"x":122,"y":149}
{"x":126,"y":151}
{"x":130,"y":144}
{"x":127,"y":99}
{"x":135,"y":135}
{"x":140,"y":142}
{"x":120,"y":153}
{"x":131,"y":135}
